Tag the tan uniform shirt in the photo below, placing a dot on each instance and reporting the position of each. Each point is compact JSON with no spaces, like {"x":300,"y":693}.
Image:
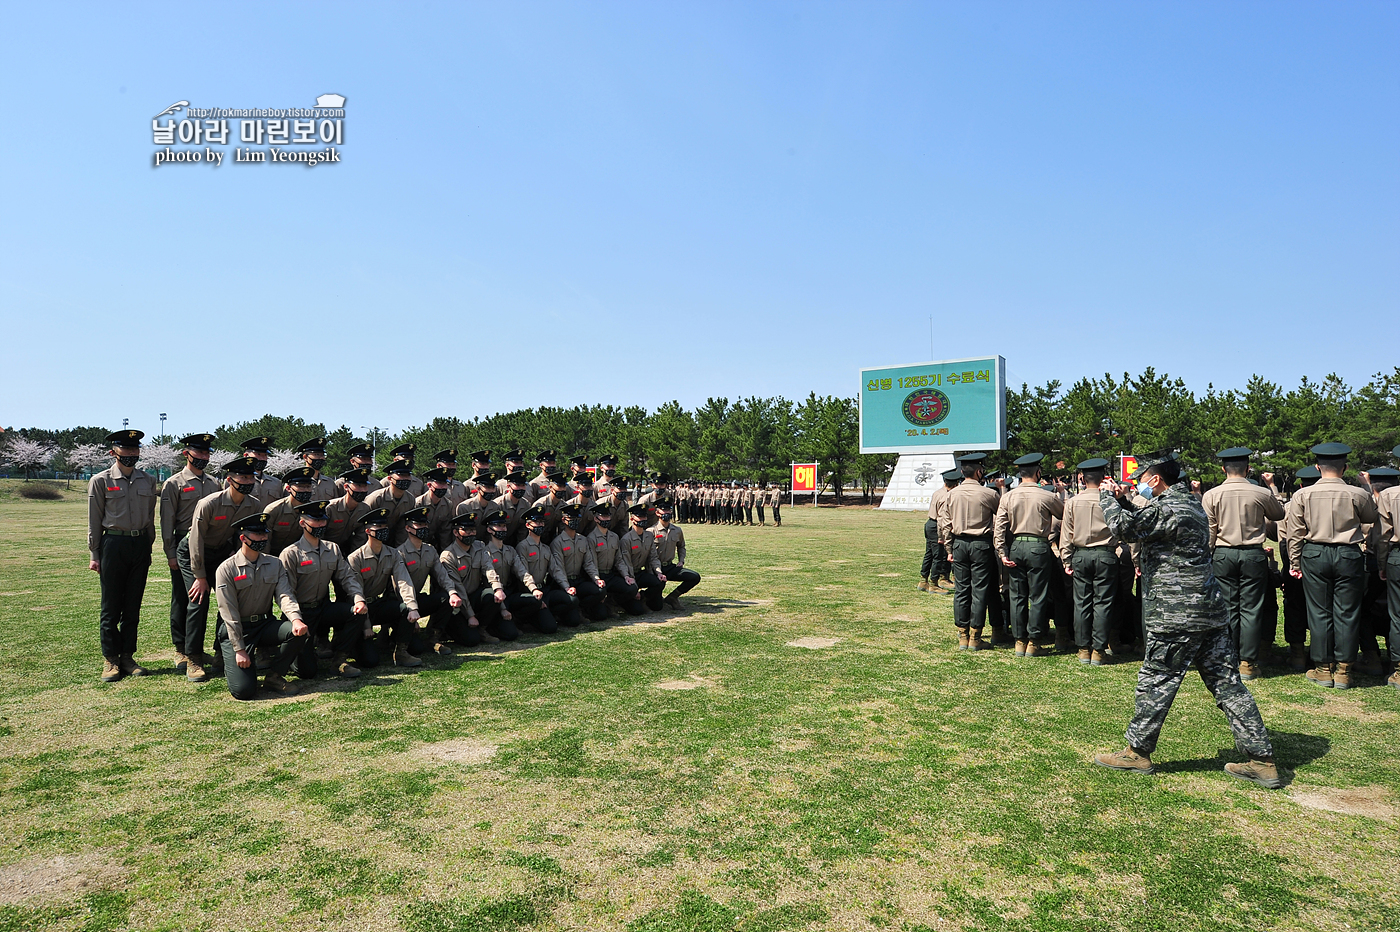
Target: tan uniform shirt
{"x":268,"y":488}
{"x":377,"y":572}
{"x":210,"y":527}
{"x":421,"y":562}
{"x":311,"y":569}
{"x":936,"y":500}
{"x":669,"y":543}
{"x":514,"y":525}
{"x":384,"y":498}
{"x":1388,"y":510}
{"x":439,"y":532}
{"x":1327,"y":512}
{"x":549,"y":505}
{"x":1027,"y":509}
{"x":639,"y":549}
{"x":607,"y":553}
{"x":586,"y":519}
{"x":1084,"y":526}
{"x":970,"y":509}
{"x":572,"y":558}
{"x":283,"y":524}
{"x":323,"y":489}
{"x":463,"y":569}
{"x":1239,"y":512}
{"x":456,"y":494}
{"x":178,"y":498}
{"x":343,"y":524}
{"x":247,"y":587}
{"x":531,"y":563}
{"x":118,"y":503}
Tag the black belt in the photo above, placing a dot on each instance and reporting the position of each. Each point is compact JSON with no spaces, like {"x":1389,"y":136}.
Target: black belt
{"x":252,"y":619}
{"x":1099,"y":547}
{"x":972,"y":536}
{"x":1318,"y":543}
{"x":1239,"y":547}
{"x":109,"y":532}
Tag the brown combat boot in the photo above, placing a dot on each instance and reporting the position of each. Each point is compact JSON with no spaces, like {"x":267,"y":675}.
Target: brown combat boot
{"x":180,"y":661}
{"x":962,"y":639}
{"x":1099,"y":658}
{"x":1341,"y":678}
{"x":1394,"y":680}
{"x":1085,"y":656}
{"x":111,"y":670}
{"x":1321,"y":674}
{"x":1262,"y":772}
{"x":348,"y":669}
{"x":194,"y":671}
{"x":1036,"y":650}
{"x":1370,"y":664}
{"x":673,"y":600}
{"x":1126,"y":759}
{"x":1248,"y":671}
{"x":1298,"y":657}
{"x":974,"y":640}
{"x":276,"y":683}
{"x":923,"y":584}
{"x":1020,"y":648}
{"x":129,"y":665}
{"x":402,"y":658}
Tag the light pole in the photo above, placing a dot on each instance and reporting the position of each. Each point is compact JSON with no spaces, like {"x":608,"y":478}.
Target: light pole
{"x":162,"y":425}
{"x":373,"y":444}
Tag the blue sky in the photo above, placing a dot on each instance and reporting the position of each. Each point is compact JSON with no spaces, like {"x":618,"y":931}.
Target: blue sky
{"x":627,"y":203}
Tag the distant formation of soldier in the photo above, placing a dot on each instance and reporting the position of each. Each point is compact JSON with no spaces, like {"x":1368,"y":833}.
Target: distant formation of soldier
{"x":728,"y":503}
{"x":414,"y":563}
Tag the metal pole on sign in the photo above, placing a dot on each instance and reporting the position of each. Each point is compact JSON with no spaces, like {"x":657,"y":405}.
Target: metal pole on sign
{"x":816,"y":483}
{"x":792,"y":490}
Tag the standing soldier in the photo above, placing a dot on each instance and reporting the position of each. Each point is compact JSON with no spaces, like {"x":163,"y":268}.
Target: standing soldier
{"x":246,"y":584}
{"x":603,"y":477}
{"x":1022,"y":538}
{"x":343,"y":513}
{"x":266,"y":488}
{"x":178,"y":498}
{"x":539,"y":485}
{"x":971,"y":509}
{"x":578,"y":466}
{"x":776,"y":500}
{"x":446,"y":460}
{"x":760,"y":496}
{"x":660,"y":492}
{"x":669,"y":543}
{"x":1324,"y":549}
{"x":573,"y":569}
{"x":435,"y":499}
{"x":311,"y":562}
{"x":612,"y":564}
{"x":121,"y":535}
{"x":935,"y":567}
{"x":549,"y":504}
{"x":362,"y":457}
{"x":404,"y":453}
{"x":283,"y":519}
{"x":1238,"y":512}
{"x":1089,"y":552}
{"x":513,"y":461}
{"x":481,"y":470}
{"x":584,"y":501}
{"x":1295,"y":604}
{"x":211,"y":539}
{"x":396,"y":497}
{"x":1388,"y":559}
{"x":514,"y":501}
{"x":1185,"y":620}
{"x":616,"y":499}
{"x":313,"y":455}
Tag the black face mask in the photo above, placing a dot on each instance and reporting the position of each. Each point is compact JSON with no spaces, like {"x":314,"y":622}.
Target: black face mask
{"x":438,"y":493}
{"x":128,"y":461}
{"x":379,"y":533}
{"x":498,"y":532}
{"x":534,"y":529}
{"x":258,"y":545}
{"x":315,"y":531}
{"x":449,"y":471}
{"x":317,"y":465}
{"x":301,"y":496}
{"x":516,"y":493}
{"x":199,"y":462}
{"x":402,"y":484}
{"x":359,"y":496}
{"x":242,"y":488}
{"x":418,"y":532}
{"x":571,"y":523}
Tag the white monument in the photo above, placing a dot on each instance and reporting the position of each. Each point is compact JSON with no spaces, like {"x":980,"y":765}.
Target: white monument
{"x":915,"y":478}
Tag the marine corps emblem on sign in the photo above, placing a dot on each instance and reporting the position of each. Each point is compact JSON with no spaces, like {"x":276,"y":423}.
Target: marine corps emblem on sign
{"x":925,"y":407}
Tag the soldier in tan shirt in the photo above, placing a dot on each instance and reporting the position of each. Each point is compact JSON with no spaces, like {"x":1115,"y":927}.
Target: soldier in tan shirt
{"x":178,"y":498}
{"x":1089,"y":552}
{"x":121,"y":536}
{"x":389,"y":589}
{"x":970,"y":510}
{"x":1388,"y":555}
{"x":1022,"y":538}
{"x":313,"y":455}
{"x":936,"y":568}
{"x":247,"y":583}
{"x":1323,"y":531}
{"x":283,"y":521}
{"x":211,"y":540}
{"x":1239,"y":513}
{"x":311,"y":564}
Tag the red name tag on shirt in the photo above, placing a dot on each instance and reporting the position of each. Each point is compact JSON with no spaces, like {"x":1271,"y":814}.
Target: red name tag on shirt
{"x":188,"y":488}
{"x":495,"y":559}
{"x":114,"y":488}
{"x":240,"y":578}
{"x":221,"y":517}
{"x":534,"y":553}
{"x":411,"y":563}
{"x":601,"y":543}
{"x":307,"y":562}
{"x":636,"y":546}
{"x":461,"y":568}
{"x":567,"y":549}
{"x":338,"y":521}
{"x":366,"y":569}
{"x":283,"y":523}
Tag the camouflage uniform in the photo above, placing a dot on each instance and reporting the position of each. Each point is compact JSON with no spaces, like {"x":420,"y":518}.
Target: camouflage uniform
{"x":1185,"y":617}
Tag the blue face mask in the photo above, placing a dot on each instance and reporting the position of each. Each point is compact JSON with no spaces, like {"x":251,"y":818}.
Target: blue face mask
{"x":1144,"y":490}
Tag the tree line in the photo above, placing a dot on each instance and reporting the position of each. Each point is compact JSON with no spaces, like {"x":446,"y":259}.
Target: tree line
{"x":755,"y":439}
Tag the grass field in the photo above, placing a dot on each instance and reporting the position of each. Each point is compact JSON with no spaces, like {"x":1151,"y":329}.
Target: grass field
{"x":693,"y":772}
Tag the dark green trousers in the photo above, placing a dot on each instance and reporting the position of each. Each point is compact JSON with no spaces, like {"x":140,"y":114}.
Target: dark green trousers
{"x":1095,"y":591}
{"x":1031,"y":582}
{"x":1334,"y":584}
{"x":1243,"y":574}
{"x":272,"y":648}
{"x":975,"y":580}
{"x":1392,"y":597}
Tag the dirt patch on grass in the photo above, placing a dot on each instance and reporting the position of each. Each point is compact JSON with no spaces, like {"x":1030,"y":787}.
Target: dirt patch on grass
{"x":814,"y":643}
{"x":459,"y":751}
{"x":889,"y":575}
{"x":1373,"y":802}
{"x":57,"y":878}
{"x":692,"y":682}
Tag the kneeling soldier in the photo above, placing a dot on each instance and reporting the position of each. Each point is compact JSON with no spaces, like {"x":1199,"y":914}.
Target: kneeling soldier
{"x":512,"y":584}
{"x":638,"y":547}
{"x":612,"y":565}
{"x":420,"y":560}
{"x":669,"y":541}
{"x":393,"y":602}
{"x":462,"y":560}
{"x":311,"y":563}
{"x":535,"y":560}
{"x":573,"y":569}
{"x":246,"y":584}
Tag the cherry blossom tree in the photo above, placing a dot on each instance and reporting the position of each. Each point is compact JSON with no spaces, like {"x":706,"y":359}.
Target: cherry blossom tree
{"x":88,"y":457}
{"x":280,"y":462}
{"x":28,"y":455}
{"x":160,"y":456}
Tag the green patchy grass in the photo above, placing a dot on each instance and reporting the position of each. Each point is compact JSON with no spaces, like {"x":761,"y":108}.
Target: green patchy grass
{"x":888,"y":782}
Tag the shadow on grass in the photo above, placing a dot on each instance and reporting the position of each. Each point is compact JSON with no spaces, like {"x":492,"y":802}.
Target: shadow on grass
{"x":1291,"y":751}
